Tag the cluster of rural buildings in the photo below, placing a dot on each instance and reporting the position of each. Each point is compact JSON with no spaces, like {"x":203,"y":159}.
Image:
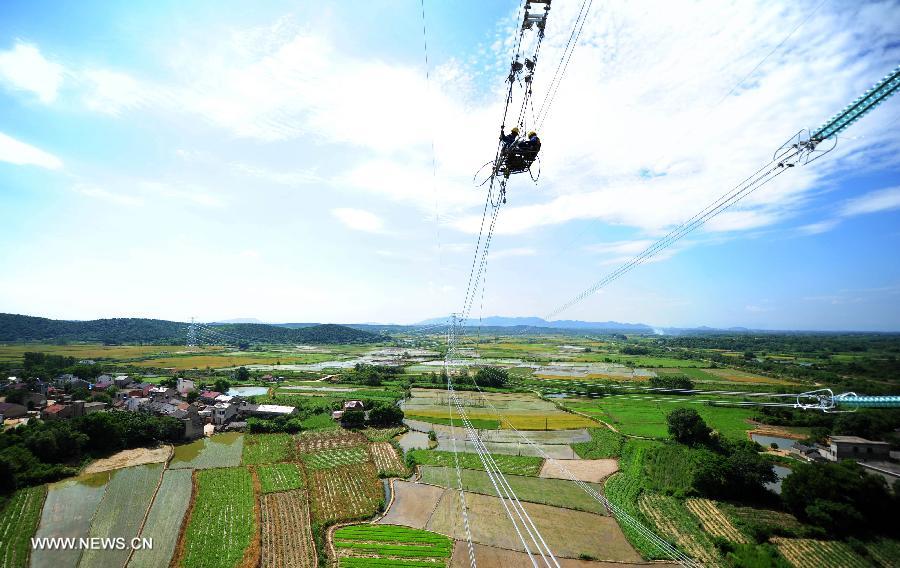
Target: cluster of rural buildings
{"x":209,"y":410}
{"x":871,"y":454}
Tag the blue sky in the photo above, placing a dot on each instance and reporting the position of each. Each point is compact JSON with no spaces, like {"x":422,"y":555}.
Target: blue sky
{"x":273,"y":160}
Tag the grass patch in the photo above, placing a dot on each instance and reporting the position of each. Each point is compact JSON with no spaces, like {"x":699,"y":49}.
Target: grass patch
{"x":478,"y":423}
{"x":604,"y":444}
{"x":328,"y":459}
{"x":389,"y":545}
{"x":18,"y":522}
{"x":553,"y":492}
{"x":514,"y":465}
{"x":222,"y":523}
{"x":267,"y":448}
{"x":279,"y":477}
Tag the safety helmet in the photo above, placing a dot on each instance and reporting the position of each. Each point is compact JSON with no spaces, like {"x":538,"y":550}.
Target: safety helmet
{"x":515,"y":130}
{"x":532,"y":133}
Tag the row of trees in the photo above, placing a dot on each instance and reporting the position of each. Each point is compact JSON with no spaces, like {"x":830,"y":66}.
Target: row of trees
{"x":45,"y":451}
{"x":840,"y":498}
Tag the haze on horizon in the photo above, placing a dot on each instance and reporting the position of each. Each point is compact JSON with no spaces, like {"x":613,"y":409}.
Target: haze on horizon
{"x":217,"y":160}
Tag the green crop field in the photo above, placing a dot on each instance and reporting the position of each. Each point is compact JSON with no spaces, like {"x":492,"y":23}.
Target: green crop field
{"x":121,"y":512}
{"x":222,"y":522}
{"x":327,"y":459}
{"x":391,"y":546}
{"x":554,"y":492}
{"x":646,"y":416}
{"x":514,"y":465}
{"x":279,"y":477}
{"x":18,"y":522}
{"x":267,"y":448}
{"x":604,"y":444}
{"x":220,"y":450}
{"x":164,"y":521}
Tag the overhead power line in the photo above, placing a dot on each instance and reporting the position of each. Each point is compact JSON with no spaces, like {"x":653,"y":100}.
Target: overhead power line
{"x":800,"y":149}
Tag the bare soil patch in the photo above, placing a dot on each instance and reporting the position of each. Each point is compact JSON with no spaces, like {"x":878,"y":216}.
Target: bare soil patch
{"x":493,"y":557}
{"x":592,"y":471}
{"x":413,"y":504}
{"x":286,"y":535}
{"x":128,"y":458}
{"x":568,"y":533}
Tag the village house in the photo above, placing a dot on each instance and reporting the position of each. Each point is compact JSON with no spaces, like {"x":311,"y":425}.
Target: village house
{"x":856,"y":448}
{"x":122,"y":381}
{"x":91,"y":407}
{"x":135,"y":403}
{"x":185,"y":386}
{"x":102,"y":385}
{"x":162,"y":393}
{"x":267,"y":410}
{"x":209,"y":397}
{"x":63,"y":411}
{"x":354,"y":405}
{"x":11,"y":410}
{"x":223,"y":412}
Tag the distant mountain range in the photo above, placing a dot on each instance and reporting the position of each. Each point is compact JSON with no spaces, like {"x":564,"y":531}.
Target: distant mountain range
{"x":15,"y":327}
{"x":499,"y":321}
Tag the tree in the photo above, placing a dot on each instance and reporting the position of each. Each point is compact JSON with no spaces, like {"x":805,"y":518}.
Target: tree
{"x":222,"y":385}
{"x":353,"y":419}
{"x":841,"y":498}
{"x":241,"y":375}
{"x":192,"y":396}
{"x":169,"y":382}
{"x":494,"y":377}
{"x":385,"y":415}
{"x":686,"y":426}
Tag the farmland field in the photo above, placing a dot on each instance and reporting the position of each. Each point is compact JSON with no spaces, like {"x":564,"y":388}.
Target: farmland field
{"x":18,"y":521}
{"x":67,"y":512}
{"x":345,"y":493}
{"x":222,"y":522}
{"x":515,"y":465}
{"x":810,"y":553}
{"x":670,"y":518}
{"x":386,"y":460}
{"x":714,"y":522}
{"x":555,"y":492}
{"x":309,"y":442}
{"x":568,"y":533}
{"x":12,"y":352}
{"x":121,"y":512}
{"x":382,"y":434}
{"x":524,"y":411}
{"x":335,"y":458}
{"x":643,"y":416}
{"x":164,"y":521}
{"x":279,"y":477}
{"x":362,"y":546}
{"x":267,"y":448}
{"x":287,"y":539}
{"x":219,"y":450}
{"x":226,"y":360}
{"x":604,"y":444}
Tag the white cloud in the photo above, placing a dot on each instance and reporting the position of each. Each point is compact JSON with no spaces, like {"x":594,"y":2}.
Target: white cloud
{"x":620,"y":247}
{"x":512,"y":252}
{"x":186,"y":193}
{"x":819,"y":227}
{"x":106,"y":195}
{"x":874,"y":202}
{"x":24,"y":68}
{"x":293,"y":178}
{"x":20,"y":153}
{"x":359,"y":220}
{"x":111,"y":92}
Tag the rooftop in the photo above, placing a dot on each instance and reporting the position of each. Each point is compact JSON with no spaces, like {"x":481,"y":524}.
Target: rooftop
{"x":855,"y":440}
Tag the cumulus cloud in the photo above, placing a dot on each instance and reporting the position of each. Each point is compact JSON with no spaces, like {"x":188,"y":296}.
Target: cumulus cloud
{"x":359,"y":220}
{"x":20,"y":153}
{"x":24,"y":68}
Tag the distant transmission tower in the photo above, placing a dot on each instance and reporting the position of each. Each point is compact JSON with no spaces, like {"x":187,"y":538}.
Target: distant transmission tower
{"x":192,"y":335}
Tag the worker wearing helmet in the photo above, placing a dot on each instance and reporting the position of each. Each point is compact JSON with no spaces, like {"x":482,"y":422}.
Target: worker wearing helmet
{"x":509,"y":139}
{"x":529,"y":147}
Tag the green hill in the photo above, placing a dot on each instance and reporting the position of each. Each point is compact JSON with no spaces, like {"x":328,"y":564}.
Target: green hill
{"x":14,"y":327}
